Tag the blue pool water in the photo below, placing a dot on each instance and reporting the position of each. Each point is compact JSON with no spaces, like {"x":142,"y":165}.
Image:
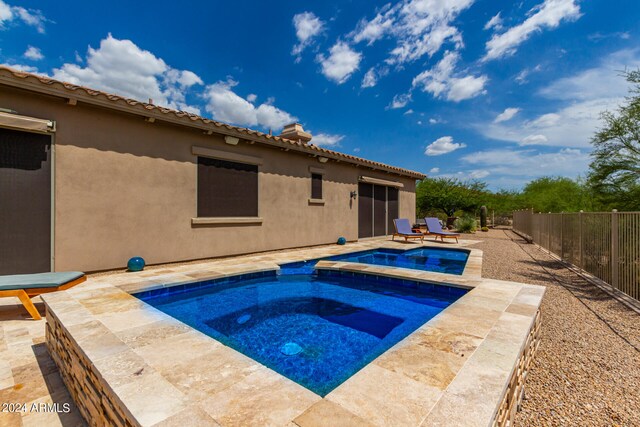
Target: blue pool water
{"x":317,"y":330}
{"x":448,"y":261}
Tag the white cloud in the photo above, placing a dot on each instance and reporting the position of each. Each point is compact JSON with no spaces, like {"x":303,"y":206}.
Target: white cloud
{"x":521,"y":77}
{"x":419,"y":27}
{"x":187,"y":78}
{"x":327,"y":140}
{"x":466,"y":88}
{"x":356,"y":150}
{"x":341,"y":62}
{"x":31,"y":17}
{"x":478,"y":174}
{"x":571,"y":126}
{"x":409,"y":111}
{"x":33,"y":53}
{"x":436,"y":120}
{"x":546,"y":120}
{"x":548,"y":14}
{"x":414,"y":49}
{"x":534,"y":140}
{"x":474,"y":174}
{"x":252,"y":97}
{"x":372,"y":76}
{"x":582,"y":97}
{"x":442,"y":146}
{"x":526,"y":164}
{"x":273,"y":118}
{"x":603,"y":81}
{"x":121,"y":67}
{"x":506,"y":115}
{"x":434,"y":170}
{"x":225,"y":105}
{"x":399,"y":101}
{"x":370,"y":79}
{"x":371,"y":31}
{"x":5,"y":12}
{"x":25,"y":68}
{"x":443,"y":82}
{"x":624,"y":35}
{"x":495,"y":23}
{"x":308,"y":26}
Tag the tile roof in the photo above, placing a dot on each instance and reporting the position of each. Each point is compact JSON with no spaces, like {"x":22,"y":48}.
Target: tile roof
{"x":43,"y":84}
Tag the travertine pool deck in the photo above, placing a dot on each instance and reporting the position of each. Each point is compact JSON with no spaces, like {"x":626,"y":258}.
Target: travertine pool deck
{"x":155,"y":370}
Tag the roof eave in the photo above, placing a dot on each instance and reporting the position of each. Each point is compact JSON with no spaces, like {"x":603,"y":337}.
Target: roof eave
{"x":56,"y":88}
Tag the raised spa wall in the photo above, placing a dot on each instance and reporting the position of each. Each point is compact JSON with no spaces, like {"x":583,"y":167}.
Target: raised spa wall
{"x":100,"y":406}
{"x":126,"y":363}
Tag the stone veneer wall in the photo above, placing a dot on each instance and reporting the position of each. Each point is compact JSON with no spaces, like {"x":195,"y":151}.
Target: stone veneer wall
{"x":94,"y":399}
{"x":515,"y":390}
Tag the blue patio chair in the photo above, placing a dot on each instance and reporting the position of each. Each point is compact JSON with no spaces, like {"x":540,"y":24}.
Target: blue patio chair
{"x":403,"y":229}
{"x":434,"y":227}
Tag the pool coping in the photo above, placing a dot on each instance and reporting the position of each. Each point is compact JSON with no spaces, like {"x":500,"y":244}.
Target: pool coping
{"x":455,"y":369}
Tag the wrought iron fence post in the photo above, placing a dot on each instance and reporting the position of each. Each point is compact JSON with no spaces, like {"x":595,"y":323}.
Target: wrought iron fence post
{"x":581,"y":265}
{"x":549,"y":232}
{"x":614,"y":248}
{"x":533,"y":240}
{"x":561,"y":236}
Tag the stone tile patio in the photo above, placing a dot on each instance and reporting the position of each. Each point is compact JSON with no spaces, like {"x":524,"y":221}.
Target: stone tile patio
{"x":158,"y":371}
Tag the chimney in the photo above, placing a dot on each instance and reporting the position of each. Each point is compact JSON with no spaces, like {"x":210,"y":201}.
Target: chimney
{"x":295,"y":132}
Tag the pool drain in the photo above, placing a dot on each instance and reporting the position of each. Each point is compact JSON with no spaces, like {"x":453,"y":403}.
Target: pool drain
{"x":290,"y":349}
{"x":243,"y":319}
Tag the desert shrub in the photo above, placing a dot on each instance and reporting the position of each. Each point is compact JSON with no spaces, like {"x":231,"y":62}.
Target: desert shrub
{"x":466,"y":224}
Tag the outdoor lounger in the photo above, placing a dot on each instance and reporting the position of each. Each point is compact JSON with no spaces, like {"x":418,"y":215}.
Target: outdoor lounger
{"x":434,"y":227}
{"x":403,"y":229}
{"x":26,"y":286}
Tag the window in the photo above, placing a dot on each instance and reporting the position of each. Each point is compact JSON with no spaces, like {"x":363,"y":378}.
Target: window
{"x":227,"y":189}
{"x":316,"y":186}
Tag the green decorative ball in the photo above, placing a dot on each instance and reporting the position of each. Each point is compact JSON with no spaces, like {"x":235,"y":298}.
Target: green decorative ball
{"x":342,"y":240}
{"x":136,"y":264}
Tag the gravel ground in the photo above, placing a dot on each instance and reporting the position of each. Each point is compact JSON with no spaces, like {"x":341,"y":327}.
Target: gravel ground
{"x":587,"y":369}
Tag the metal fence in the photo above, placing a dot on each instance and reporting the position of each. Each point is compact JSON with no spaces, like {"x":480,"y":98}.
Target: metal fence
{"x":604,"y":244}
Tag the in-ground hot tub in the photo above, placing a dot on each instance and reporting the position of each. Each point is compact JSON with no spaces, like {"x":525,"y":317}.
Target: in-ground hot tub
{"x":315,"y":329}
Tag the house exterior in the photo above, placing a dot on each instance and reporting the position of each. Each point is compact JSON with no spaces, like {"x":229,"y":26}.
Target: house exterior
{"x":89,"y":179}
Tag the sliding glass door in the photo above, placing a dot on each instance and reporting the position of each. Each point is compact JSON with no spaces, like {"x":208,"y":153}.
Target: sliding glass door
{"x":377,"y":208}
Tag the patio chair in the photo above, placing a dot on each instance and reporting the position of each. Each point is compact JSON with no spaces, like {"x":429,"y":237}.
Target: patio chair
{"x":403,"y":229}
{"x":27,"y":286}
{"x":434,"y":227}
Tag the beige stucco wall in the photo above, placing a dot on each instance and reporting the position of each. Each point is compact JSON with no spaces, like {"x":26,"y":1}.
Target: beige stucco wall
{"x":124,"y":187}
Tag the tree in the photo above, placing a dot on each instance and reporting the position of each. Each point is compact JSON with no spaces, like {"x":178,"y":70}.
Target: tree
{"x":504,"y":202}
{"x":615,"y":169}
{"x":553,"y":194}
{"x":448,"y":195}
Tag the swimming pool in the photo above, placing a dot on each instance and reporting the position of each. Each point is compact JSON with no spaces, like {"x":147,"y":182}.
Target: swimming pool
{"x":317,"y":330}
{"x":450,"y":261}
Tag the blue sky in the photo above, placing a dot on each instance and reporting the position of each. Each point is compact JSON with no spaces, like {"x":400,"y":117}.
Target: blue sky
{"x":499,"y":91}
